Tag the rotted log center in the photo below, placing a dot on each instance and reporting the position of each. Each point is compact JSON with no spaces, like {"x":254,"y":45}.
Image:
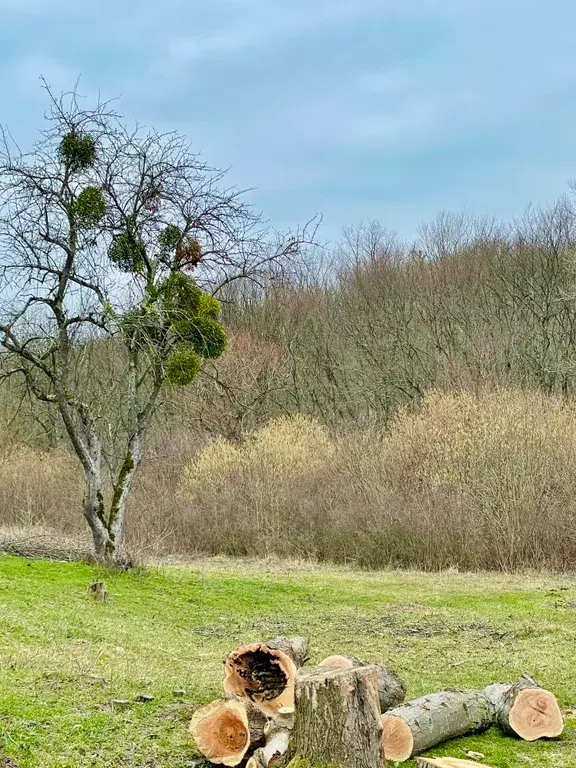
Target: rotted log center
{"x":262,"y":674}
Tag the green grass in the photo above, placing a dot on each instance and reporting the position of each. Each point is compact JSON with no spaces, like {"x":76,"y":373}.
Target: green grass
{"x":64,"y":657}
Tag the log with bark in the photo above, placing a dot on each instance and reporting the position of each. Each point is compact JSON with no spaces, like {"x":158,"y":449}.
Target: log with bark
{"x":525,"y":709}
{"x":391,"y":687}
{"x":338,"y":717}
{"x":421,"y":724}
{"x":277,"y":734}
{"x":226,"y":730}
{"x":265,"y":673}
{"x":295,"y":647}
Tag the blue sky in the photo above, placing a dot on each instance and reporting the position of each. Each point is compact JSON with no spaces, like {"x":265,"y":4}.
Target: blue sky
{"x":356,"y":109}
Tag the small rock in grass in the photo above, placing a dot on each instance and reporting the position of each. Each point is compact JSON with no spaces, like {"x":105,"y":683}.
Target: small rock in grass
{"x":144,"y":698}
{"x":179,"y":692}
{"x":119,"y":702}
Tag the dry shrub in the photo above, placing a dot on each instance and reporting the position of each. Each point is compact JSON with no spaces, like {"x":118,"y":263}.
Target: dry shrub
{"x":258,"y":497}
{"x":499,"y":470}
{"x":483,"y":481}
{"x":477,"y":481}
{"x":40,"y":488}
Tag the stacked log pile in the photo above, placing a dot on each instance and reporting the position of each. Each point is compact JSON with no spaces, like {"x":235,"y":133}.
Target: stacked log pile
{"x":350,"y":713}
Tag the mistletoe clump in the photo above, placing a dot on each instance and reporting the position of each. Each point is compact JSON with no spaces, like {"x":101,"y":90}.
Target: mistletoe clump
{"x":191,"y":316}
{"x":181,"y":298}
{"x":170,"y":237}
{"x":206,"y":336}
{"x":90,"y":207}
{"x":127,"y":251}
{"x":182,"y":368}
{"x":209,"y":306}
{"x":78,"y":150}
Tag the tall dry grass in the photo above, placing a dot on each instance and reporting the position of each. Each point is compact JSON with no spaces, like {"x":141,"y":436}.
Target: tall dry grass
{"x":469,"y":480}
{"x":40,"y":488}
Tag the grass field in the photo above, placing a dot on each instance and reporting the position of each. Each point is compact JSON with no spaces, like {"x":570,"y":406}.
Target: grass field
{"x":63,"y":657}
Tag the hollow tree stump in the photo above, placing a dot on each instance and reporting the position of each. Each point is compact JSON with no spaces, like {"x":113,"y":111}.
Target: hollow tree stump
{"x":226,"y":730}
{"x":423,"y":723}
{"x":391,"y":687}
{"x":261,"y":674}
{"x":525,"y":709}
{"x":338,"y":718}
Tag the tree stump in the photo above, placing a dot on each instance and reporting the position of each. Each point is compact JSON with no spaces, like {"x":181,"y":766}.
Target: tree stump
{"x":338,"y":718}
{"x":226,"y":730}
{"x":98,"y":591}
{"x":391,"y":687}
{"x":526,"y":710}
{"x":430,"y":720}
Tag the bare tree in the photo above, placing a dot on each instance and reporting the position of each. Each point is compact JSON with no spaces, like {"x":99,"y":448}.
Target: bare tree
{"x":117,"y":236}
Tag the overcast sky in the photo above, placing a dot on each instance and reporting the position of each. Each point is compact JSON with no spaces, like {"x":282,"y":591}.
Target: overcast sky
{"x":356,"y":109}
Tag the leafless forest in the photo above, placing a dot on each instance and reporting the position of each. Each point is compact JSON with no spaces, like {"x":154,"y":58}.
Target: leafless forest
{"x":382,"y":403}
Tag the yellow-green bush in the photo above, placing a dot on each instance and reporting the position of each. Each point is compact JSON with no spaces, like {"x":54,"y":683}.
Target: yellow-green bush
{"x":478,"y":481}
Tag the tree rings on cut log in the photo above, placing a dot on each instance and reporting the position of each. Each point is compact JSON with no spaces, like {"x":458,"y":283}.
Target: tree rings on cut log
{"x":341,"y":662}
{"x":526,"y":710}
{"x":392,"y":689}
{"x":535,"y":714}
{"x":397,"y":738}
{"x":225,"y":730}
{"x":266,"y":676}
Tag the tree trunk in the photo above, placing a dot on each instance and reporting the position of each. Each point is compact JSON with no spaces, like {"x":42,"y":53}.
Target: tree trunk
{"x":122,"y":488}
{"x":392,"y":689}
{"x":430,"y":720}
{"x":108,"y":529}
{"x":338,"y":717}
{"x":227,"y":729}
{"x":94,"y":512}
{"x":524,"y":709}
{"x":262,"y":675}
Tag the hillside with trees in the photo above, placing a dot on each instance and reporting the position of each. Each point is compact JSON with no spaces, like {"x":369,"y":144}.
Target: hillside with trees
{"x":175,"y":369}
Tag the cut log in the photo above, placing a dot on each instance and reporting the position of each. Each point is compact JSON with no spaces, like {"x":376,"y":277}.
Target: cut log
{"x":447,"y":762}
{"x":295,"y":647}
{"x":276,"y":747}
{"x":338,"y":718}
{"x":430,"y":720}
{"x":391,"y":687}
{"x":225,"y":730}
{"x":526,"y":710}
{"x":262,"y":675}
